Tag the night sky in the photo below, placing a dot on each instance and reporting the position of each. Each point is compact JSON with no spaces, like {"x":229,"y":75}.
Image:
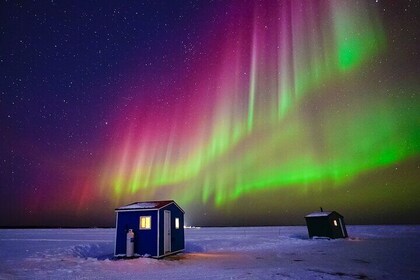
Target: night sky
{"x":244,"y":112}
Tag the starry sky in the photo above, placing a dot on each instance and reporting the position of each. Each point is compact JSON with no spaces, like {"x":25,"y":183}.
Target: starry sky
{"x":244,"y":112}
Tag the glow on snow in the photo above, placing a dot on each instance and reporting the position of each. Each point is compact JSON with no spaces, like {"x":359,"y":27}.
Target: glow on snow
{"x":280,"y":106}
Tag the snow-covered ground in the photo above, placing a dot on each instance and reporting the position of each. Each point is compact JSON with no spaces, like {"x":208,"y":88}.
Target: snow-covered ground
{"x":371,"y":252}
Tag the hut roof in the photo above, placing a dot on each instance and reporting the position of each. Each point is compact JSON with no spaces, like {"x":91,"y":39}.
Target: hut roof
{"x":150,"y":205}
{"x":321,"y":214}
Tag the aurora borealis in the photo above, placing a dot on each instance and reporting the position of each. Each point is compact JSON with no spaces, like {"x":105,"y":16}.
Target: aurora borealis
{"x":244,"y":112}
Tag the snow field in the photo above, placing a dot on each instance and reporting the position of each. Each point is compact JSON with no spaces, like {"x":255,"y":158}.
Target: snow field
{"x":371,"y":252}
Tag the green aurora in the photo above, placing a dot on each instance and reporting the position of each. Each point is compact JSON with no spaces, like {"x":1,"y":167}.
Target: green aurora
{"x":295,"y":109}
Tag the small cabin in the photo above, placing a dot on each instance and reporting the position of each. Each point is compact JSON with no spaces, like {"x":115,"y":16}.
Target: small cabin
{"x":326,"y":224}
{"x":157,"y":226}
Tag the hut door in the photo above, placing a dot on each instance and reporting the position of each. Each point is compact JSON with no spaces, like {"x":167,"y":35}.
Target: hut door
{"x":166,"y":231}
{"x":341,"y":226}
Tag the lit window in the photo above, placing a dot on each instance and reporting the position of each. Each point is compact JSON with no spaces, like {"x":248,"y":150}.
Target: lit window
{"x":145,"y":222}
{"x":335,"y":223}
{"x":177,"y":223}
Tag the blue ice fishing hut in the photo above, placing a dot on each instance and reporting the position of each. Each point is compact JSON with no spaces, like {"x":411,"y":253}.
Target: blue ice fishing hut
{"x":149,"y":228}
